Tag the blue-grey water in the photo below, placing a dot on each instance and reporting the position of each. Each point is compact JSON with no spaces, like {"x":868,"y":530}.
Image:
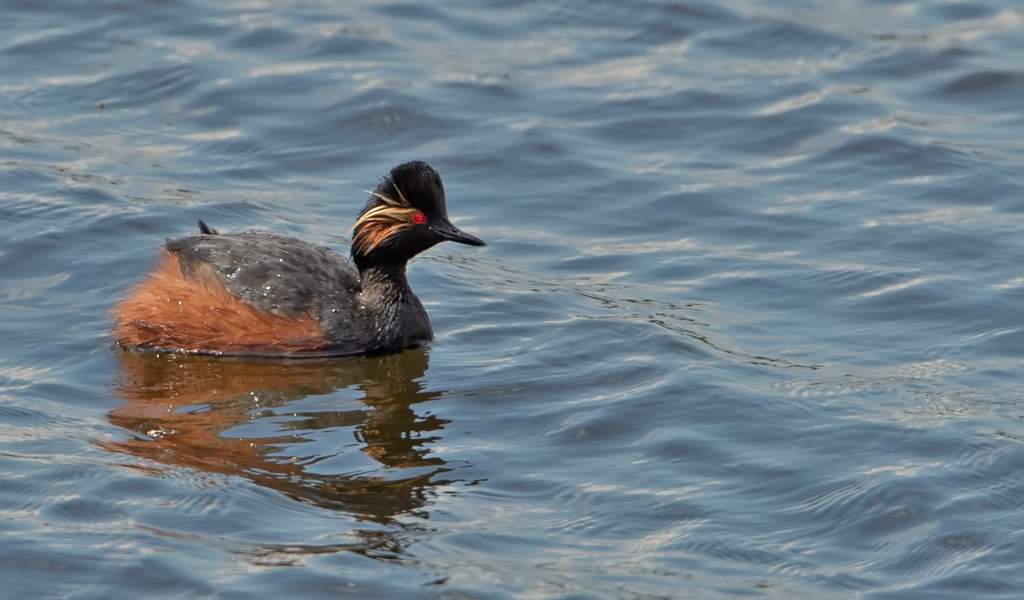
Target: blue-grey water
{"x":749,"y":323}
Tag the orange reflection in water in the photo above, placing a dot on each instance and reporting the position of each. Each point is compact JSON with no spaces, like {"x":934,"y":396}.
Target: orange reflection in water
{"x":181,"y":408}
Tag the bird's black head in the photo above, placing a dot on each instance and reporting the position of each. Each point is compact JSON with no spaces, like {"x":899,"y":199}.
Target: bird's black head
{"x":405,"y":215}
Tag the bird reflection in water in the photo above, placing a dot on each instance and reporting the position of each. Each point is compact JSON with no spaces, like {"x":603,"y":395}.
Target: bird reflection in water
{"x":181,"y":409}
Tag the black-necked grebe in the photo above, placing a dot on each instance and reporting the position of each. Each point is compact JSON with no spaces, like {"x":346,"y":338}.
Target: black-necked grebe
{"x":256,"y":293}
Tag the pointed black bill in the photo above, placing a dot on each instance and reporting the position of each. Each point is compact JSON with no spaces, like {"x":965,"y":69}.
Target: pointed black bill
{"x":454,"y":234}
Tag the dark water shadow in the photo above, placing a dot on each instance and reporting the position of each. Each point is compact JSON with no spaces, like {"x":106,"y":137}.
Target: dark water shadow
{"x":181,"y":409}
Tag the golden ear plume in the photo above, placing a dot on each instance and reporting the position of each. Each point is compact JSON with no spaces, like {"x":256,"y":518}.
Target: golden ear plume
{"x":380,"y":223}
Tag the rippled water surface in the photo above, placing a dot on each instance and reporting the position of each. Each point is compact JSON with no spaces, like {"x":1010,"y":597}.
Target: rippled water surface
{"x":749,"y":323}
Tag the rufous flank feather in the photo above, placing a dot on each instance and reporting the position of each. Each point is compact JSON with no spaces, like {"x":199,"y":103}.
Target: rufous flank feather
{"x":168,"y":311}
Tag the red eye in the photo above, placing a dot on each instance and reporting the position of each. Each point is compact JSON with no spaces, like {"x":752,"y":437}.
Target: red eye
{"x":419,"y":218}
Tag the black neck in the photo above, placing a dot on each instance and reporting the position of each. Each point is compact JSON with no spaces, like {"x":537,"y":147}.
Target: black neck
{"x":396,"y":314}
{"x":384,"y":281}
